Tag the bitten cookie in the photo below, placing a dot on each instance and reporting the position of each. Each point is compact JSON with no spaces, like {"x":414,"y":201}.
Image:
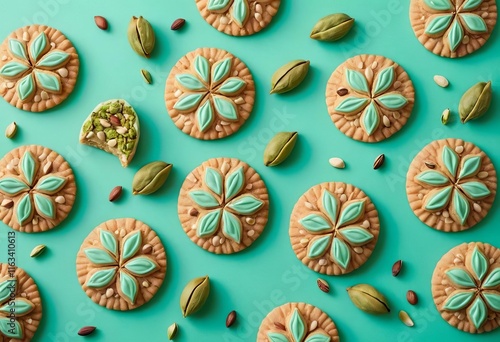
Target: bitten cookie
{"x":466,"y":287}
{"x":369,"y":98}
{"x":223,"y":205}
{"x":297,"y":322}
{"x":16,"y":286}
{"x":209,"y":94}
{"x":38,"y":68}
{"x":453,"y":28}
{"x":121,"y":264}
{"x":37,"y":189}
{"x":451,"y":185}
{"x":334,"y":228}
{"x":238,"y":17}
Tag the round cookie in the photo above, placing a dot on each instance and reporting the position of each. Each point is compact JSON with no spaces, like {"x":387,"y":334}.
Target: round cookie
{"x":209,"y":93}
{"x":223,"y":205}
{"x":451,"y":185}
{"x":466,"y":287}
{"x":121,"y":264}
{"x":369,"y":98}
{"x":38,"y":68}
{"x":37,"y":189}
{"x":453,"y":28}
{"x":238,"y":17}
{"x":295,"y":322}
{"x":16,"y":285}
{"x":334,"y":228}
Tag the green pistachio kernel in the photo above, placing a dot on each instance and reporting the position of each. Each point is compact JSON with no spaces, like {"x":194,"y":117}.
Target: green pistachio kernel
{"x":110,"y":133}
{"x":114,"y":107}
{"x":87,"y":126}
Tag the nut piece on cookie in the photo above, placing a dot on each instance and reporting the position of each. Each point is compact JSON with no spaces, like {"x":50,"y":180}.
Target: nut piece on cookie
{"x":113,"y":126}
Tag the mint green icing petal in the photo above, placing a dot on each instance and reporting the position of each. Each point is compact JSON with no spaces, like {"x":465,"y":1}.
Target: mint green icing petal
{"x":12,"y":186}
{"x":217,"y":5}
{"x":352,"y":105}
{"x":208,"y":224}
{"x":213,"y":180}
{"x":13,"y":69}
{"x":438,"y":24}
{"x":6,"y":288}
{"x":54,"y":59}
{"x":433,"y":178}
{"x":458,"y":301}
{"x":475,"y":190}
{"x":370,"y":119}
{"x":357,"y":81}
{"x":474,"y":23}
{"x":450,"y":160}
{"x":385,"y":79}
{"x":28,"y":167}
{"x":315,"y":224}
{"x":493,"y":279}
{"x":356,"y":236}
{"x":189,"y":82}
{"x":392,"y":101}
{"x":202,"y":68}
{"x":245,"y":205}
{"x":493,"y":300}
{"x":471,"y":4}
{"x":24,"y":209}
{"x":461,"y":207}
{"x":48,"y":81}
{"x":240,"y":12}
{"x":131,"y":245}
{"x":296,"y":326}
{"x":25,"y":87}
{"x":20,"y":306}
{"x":330,"y":205}
{"x":18,"y":49}
{"x":234,"y":183}
{"x":50,"y":184}
{"x":188,"y":101}
{"x":352,"y":212}
{"x":99,"y":256}
{"x":220,"y":71}
{"x":225,"y":108}
{"x":318,"y":246}
{"x":232,"y":86}
{"x":44,"y":206}
{"x":461,"y":278}
{"x":341,"y":253}
{"x":108,"y":241}
{"x":11,"y":329}
{"x":318,"y":338}
{"x":479,"y":264}
{"x":128,"y":287}
{"x":205,"y":116}
{"x":141,"y":266}
{"x":439,"y":5}
{"x":204,"y":199}
{"x":470,"y":166}
{"x":101,"y":278}
{"x":231,"y":226}
{"x":437,"y":200}
{"x":478,"y":313}
{"x":37,"y":46}
{"x":276,"y":337}
{"x":455,"y":35}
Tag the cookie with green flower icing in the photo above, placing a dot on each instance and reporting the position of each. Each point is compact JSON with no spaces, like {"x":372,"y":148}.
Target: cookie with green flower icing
{"x":297,"y":322}
{"x":38,"y":68}
{"x":37,"y":189}
{"x":369,"y":98}
{"x":334,"y":228}
{"x":466,"y":287}
{"x":453,"y":28}
{"x":451,"y":185}
{"x":209,"y":93}
{"x":121,"y":264}
{"x":18,"y":292}
{"x":223,"y":205}
{"x":238,"y":17}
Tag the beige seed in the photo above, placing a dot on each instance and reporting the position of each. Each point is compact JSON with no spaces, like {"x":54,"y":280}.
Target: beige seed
{"x":397,"y":84}
{"x":178,"y":93}
{"x":448,"y":220}
{"x":444,"y":281}
{"x":23,"y":294}
{"x":360,"y":65}
{"x":44,"y":95}
{"x":60,"y":199}
{"x":365,"y":224}
{"x":225,"y":167}
{"x":63,"y":72}
{"x":147,"y":248}
{"x":343,"y":198}
{"x":191,"y":178}
{"x":358,"y":250}
{"x":262,"y":23}
{"x":251,"y":232}
{"x":459,"y":149}
{"x":37,"y":98}
{"x":15,"y":161}
{"x":105,"y":123}
{"x":90,"y":135}
{"x":249,"y":186}
{"x":386,"y":121}
{"x":34,"y":221}
{"x":477,"y":207}
{"x":396,"y":115}
{"x":224,"y":20}
{"x":482,"y":174}
{"x":193,"y":227}
{"x":302,"y":231}
{"x":112,"y":143}
{"x":123,"y":232}
{"x":215,"y":240}
{"x":225,"y":123}
{"x":258,"y":8}
{"x":492,"y":260}
{"x":322,"y":262}
{"x":47,"y":167}
{"x":145,"y":283}
{"x":485,"y":15}
{"x":461,"y":316}
{"x":441,"y":81}
{"x":339,"y":191}
{"x":309,"y":205}
{"x":239,"y":100}
{"x":4,"y":58}
{"x":26,"y":36}
{"x":374,"y":65}
{"x":304,"y":241}
{"x":42,"y":157}
{"x":10,"y":85}
{"x":10,"y":167}
{"x":218,"y":128}
{"x":236,"y":73}
{"x":446,"y":213}
{"x":369,"y":74}
{"x":121,"y":130}
{"x":222,"y":240}
{"x":466,"y":40}
{"x":457,"y":261}
{"x":101,"y":136}
{"x":29,"y":320}
{"x":460,"y":256}
{"x":448,"y":290}
{"x":110,"y":292}
{"x":313,"y":326}
{"x":258,"y":16}
{"x":337,"y":163}
{"x":53,"y":44}
{"x":250,"y":220}
{"x":7,"y":203}
{"x":356,"y":122}
{"x":437,"y":212}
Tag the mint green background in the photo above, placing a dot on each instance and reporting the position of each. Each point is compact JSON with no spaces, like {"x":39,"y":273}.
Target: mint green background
{"x":268,"y":274}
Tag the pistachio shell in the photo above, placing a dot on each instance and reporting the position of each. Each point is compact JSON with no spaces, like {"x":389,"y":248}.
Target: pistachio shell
{"x":141,"y":36}
{"x":475,"y":102}
{"x":445,"y":117}
{"x":289,"y":76}
{"x":11,"y":130}
{"x":332,"y":27}
{"x":37,"y":251}
{"x":147,"y":76}
{"x":279,"y":148}
{"x":368,"y":299}
{"x":405,"y":318}
{"x":150,"y":178}
{"x":172,"y":331}
{"x":194,"y":295}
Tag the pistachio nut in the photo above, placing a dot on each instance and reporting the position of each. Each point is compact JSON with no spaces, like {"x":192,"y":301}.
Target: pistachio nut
{"x":141,"y":36}
{"x":475,"y":102}
{"x":332,"y":27}
{"x":279,"y":148}
{"x":368,"y":299}
{"x":194,"y":295}
{"x":289,"y":76}
{"x":37,"y":251}
{"x":11,"y":130}
{"x":172,"y":331}
{"x":146,"y":75}
{"x":445,"y":117}
{"x":150,"y":178}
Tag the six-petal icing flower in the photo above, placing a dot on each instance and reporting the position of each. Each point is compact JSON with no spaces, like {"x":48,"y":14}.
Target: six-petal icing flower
{"x":32,"y":193}
{"x":298,"y":331}
{"x":118,"y":259}
{"x":209,"y":90}
{"x":223,"y":205}
{"x":10,"y":327}
{"x":32,"y":66}
{"x":336,"y":228}
{"x":451,"y":18}
{"x":239,"y":9}
{"x":456,"y":187}
{"x":369,"y":100}
{"x":476,"y":291}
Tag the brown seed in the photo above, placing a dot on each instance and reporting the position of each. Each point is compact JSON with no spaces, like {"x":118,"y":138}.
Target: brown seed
{"x":177,"y":24}
{"x":411,"y":297}
{"x":86,"y":331}
{"x":279,"y":326}
{"x":396,"y":268}
{"x":323,"y":285}
{"x":342,"y":91}
{"x":147,"y":248}
{"x":430,"y":165}
{"x":115,"y":193}
{"x":193,"y":212}
{"x":114,"y":120}
{"x":379,"y":161}
{"x":231,"y":318}
{"x":101,"y":22}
